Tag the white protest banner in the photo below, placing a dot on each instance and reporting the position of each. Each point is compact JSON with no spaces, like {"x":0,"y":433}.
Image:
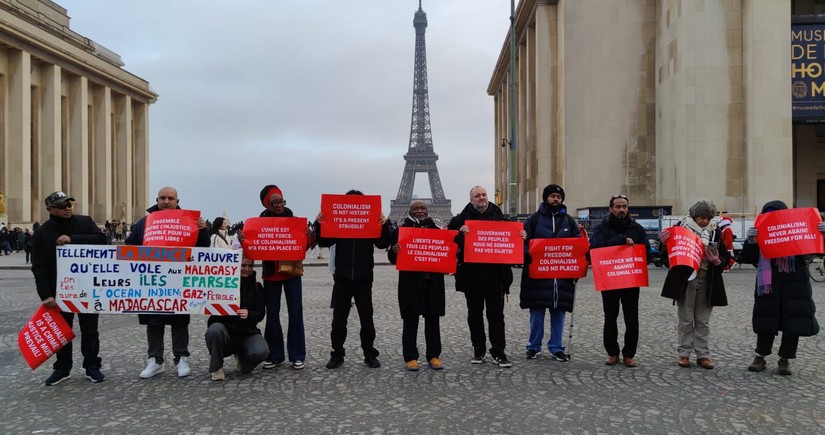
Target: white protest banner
{"x":148,"y":279}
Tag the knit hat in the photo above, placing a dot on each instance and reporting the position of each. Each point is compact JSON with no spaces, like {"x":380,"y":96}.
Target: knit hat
{"x":552,"y":188}
{"x":773,"y":206}
{"x":703,"y":208}
{"x":267,"y":192}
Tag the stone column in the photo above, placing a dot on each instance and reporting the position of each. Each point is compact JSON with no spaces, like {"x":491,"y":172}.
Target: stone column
{"x":78,"y":155}
{"x":50,"y":166}
{"x":18,"y":144}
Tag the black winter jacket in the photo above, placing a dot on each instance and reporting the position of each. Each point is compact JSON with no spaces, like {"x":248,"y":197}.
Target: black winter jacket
{"x":354,"y":258}
{"x":136,"y":238}
{"x":477,"y":276}
{"x":615,"y":232}
{"x":790,"y":306}
{"x":419,"y":293}
{"x":252,"y":298}
{"x":81,"y":229}
{"x":547,"y":293}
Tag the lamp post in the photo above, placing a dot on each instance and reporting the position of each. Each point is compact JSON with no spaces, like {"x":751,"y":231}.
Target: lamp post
{"x":511,"y":197}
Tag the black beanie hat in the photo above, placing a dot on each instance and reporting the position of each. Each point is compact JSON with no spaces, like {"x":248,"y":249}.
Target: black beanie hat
{"x":552,"y":188}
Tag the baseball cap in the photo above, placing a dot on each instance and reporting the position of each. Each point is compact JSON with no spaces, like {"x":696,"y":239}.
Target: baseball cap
{"x":57,"y":198}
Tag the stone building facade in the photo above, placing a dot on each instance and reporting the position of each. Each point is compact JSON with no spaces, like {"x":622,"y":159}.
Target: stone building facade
{"x":72,"y":119}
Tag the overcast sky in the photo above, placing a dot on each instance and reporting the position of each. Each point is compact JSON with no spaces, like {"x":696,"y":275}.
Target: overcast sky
{"x":314,"y":96}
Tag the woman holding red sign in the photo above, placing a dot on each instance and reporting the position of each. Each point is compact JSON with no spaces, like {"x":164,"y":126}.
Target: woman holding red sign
{"x":274,"y":281}
{"x":419,"y":294}
{"x":783,"y":300}
{"x":556,"y":295}
{"x":696,"y":292}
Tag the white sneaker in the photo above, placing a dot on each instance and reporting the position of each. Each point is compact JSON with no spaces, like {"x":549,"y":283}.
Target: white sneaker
{"x":183,"y":367}
{"x":152,"y":368}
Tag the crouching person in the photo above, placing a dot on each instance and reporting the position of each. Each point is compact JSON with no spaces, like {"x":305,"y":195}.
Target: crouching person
{"x":239,"y":335}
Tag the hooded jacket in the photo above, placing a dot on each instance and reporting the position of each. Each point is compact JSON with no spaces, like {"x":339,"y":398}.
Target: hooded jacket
{"x":790,"y":306}
{"x":547,"y":293}
{"x":472,"y":276}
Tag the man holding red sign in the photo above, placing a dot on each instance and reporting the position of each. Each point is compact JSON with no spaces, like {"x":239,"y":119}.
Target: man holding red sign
{"x":557,"y":295}
{"x":783,"y":298}
{"x":482,"y":283}
{"x":353,"y":278}
{"x":156,"y":323}
{"x":697,"y":291}
{"x":63,"y":228}
{"x":419,"y":294}
{"x":615,"y":230}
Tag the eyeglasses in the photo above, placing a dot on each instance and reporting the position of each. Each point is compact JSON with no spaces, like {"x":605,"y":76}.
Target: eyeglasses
{"x":618,"y":196}
{"x":62,"y":206}
{"x":277,"y":203}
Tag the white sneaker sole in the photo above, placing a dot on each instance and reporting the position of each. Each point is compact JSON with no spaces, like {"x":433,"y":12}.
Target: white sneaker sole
{"x":144,"y":375}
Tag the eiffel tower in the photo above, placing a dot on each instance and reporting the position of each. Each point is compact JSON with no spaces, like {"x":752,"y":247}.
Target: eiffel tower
{"x":420,"y":156}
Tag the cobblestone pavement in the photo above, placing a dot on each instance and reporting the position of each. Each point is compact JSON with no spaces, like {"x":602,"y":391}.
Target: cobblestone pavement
{"x":582,"y":396}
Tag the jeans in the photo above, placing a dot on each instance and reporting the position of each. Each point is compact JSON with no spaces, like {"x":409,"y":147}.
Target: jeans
{"x":628,"y":299}
{"x":343,"y":291}
{"x":493,"y":298}
{"x":537,"y":330}
{"x":89,"y":343}
{"x":250,"y":348}
{"x":274,"y":334}
{"x":180,"y":341}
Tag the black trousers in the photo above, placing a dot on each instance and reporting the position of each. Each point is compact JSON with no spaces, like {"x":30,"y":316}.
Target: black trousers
{"x":432,"y":335}
{"x":787,"y":347}
{"x":629,"y":301}
{"x":493,"y":298}
{"x":89,"y":343}
{"x":344,"y":291}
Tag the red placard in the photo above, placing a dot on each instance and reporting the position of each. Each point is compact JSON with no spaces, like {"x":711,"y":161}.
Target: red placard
{"x":618,"y":267}
{"x":558,"y":258}
{"x":351,"y":216}
{"x":684,"y":248}
{"x":273,"y":238}
{"x":175,"y":227}
{"x":784,"y":233}
{"x":44,"y":334}
{"x":494,"y":242}
{"x":426,"y":250}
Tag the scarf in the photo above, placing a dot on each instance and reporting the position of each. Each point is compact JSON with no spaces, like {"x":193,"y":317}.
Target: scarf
{"x":764,"y":272}
{"x":706,"y":234}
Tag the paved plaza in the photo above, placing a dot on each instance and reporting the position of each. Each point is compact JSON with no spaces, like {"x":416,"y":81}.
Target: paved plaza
{"x":582,"y":396}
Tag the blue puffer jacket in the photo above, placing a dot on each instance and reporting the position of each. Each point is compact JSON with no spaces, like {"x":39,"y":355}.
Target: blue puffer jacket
{"x":548,"y":293}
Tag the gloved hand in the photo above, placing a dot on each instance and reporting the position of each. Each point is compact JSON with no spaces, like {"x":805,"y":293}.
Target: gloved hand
{"x":751,"y":234}
{"x":664,"y":235}
{"x":821,"y":227}
{"x":712,"y":256}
